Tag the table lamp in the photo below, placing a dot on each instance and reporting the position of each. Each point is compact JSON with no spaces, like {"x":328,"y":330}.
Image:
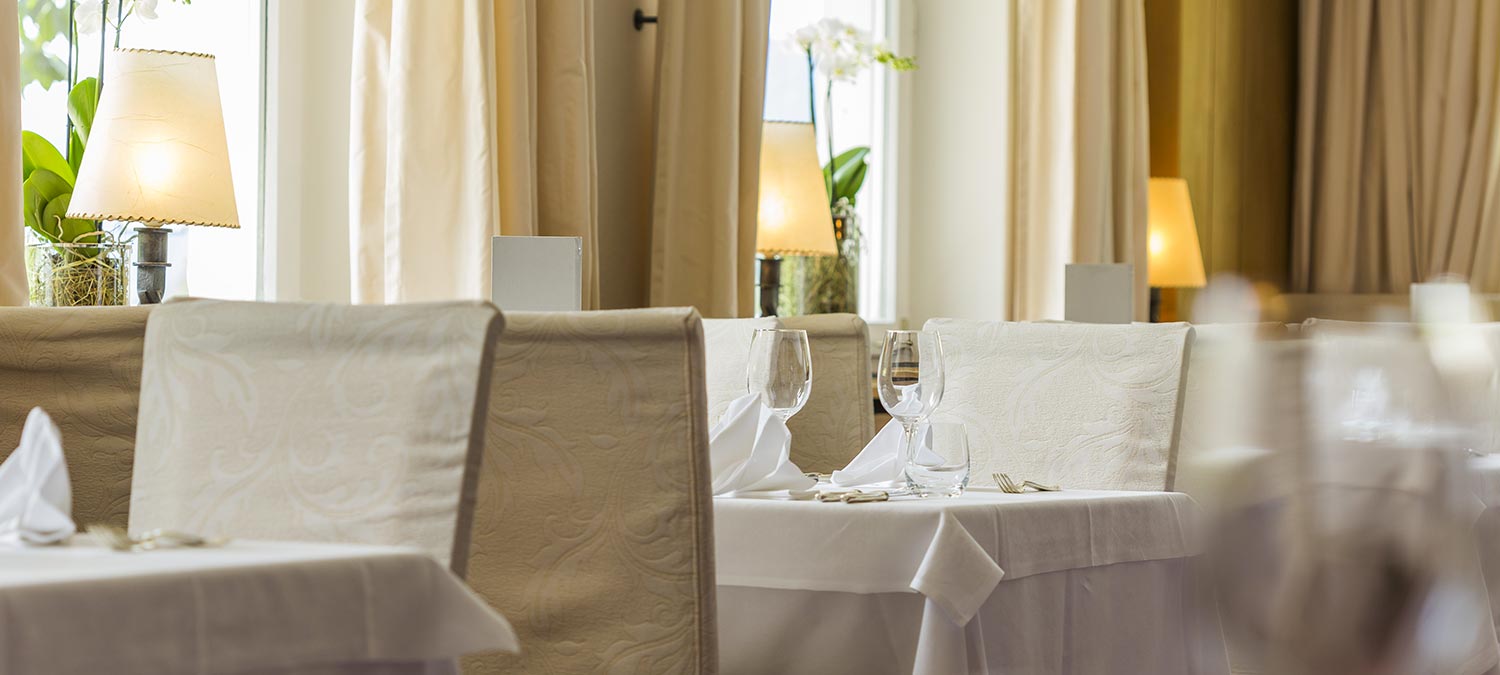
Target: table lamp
{"x":157,"y":155}
{"x":794,"y":217}
{"x":1174,"y":259}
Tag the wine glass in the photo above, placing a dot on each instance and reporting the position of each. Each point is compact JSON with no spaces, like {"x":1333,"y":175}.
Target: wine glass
{"x":780,"y":370}
{"x":910,"y":381}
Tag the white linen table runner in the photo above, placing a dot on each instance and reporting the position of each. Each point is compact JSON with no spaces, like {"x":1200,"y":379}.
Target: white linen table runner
{"x":247,"y":607}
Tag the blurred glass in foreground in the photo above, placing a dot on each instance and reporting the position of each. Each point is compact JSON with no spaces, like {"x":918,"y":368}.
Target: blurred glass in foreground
{"x":1333,"y":460}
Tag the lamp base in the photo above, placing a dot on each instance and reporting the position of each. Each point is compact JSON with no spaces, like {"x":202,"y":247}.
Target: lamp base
{"x":151,"y":263}
{"x":770,"y":284}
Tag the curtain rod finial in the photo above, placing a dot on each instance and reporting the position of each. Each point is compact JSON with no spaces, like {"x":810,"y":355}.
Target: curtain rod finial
{"x":641,"y":19}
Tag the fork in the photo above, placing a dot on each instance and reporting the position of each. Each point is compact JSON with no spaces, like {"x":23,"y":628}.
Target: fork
{"x":1009,"y":486}
{"x":119,"y":540}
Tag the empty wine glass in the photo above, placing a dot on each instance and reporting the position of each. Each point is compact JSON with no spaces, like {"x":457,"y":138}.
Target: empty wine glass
{"x":780,"y":370}
{"x":910,"y":380}
{"x":939,"y":464}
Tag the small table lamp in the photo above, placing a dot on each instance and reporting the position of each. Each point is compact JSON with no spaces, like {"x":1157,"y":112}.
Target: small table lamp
{"x":1174,"y":259}
{"x":794,"y":217}
{"x":157,"y":155}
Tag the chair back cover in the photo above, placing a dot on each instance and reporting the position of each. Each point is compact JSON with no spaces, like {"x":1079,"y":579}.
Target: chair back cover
{"x":1218,"y":395}
{"x":83,"y":366}
{"x":594,"y":534}
{"x":357,"y":424}
{"x":1086,"y":406}
{"x":839,"y":418}
{"x":727,"y":345}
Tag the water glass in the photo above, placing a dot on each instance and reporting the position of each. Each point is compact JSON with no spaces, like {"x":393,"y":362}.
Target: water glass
{"x":780,"y":369}
{"x":939,"y":464}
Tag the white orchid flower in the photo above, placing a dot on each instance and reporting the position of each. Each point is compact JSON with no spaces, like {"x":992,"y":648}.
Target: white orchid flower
{"x":89,"y":15}
{"x":146,"y":9}
{"x":806,"y":36}
{"x":840,"y":50}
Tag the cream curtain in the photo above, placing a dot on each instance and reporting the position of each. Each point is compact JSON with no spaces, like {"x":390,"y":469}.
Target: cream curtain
{"x":1079,"y":146}
{"x":13,"y":233}
{"x":469,"y":118}
{"x":1398,"y":157}
{"x":711,"y":61}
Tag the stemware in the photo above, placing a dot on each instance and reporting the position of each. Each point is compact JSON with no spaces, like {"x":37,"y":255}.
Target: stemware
{"x":780,"y":370}
{"x":910,"y":382}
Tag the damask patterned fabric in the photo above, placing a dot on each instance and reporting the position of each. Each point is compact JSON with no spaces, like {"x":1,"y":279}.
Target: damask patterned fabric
{"x":83,"y":366}
{"x":333,"y":423}
{"x":594,"y":528}
{"x":727,"y":342}
{"x":1086,"y":406}
{"x":839,"y":418}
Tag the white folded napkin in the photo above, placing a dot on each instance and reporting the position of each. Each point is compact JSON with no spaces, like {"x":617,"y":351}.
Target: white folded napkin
{"x":36,"y":504}
{"x":880,"y":464}
{"x":750,"y":451}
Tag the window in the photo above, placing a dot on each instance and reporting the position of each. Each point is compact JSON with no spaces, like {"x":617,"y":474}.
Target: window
{"x":209,"y":262}
{"x":861,"y":117}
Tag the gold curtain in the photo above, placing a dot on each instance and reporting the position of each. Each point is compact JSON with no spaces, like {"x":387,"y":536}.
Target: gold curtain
{"x":548,"y":172}
{"x":469,"y":118}
{"x":12,"y":233}
{"x":711,"y":62}
{"x":1079,"y":146}
{"x":1398,"y":149}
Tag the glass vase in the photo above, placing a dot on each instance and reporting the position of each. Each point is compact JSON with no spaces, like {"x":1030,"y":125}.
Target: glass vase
{"x":832,"y":282}
{"x":78,"y":275}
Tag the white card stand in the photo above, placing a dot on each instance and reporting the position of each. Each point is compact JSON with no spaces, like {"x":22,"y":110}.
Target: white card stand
{"x":537,"y":274}
{"x":1441,"y":302}
{"x":1099,"y":293}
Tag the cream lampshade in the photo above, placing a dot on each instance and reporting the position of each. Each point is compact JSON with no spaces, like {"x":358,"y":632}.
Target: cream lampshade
{"x":794,"y":217}
{"x":157,"y":155}
{"x":1174,"y":259}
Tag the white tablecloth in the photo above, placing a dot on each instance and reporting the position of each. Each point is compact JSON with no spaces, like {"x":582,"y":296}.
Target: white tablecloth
{"x":248,"y":607}
{"x":1069,"y":582}
{"x":1486,"y":477}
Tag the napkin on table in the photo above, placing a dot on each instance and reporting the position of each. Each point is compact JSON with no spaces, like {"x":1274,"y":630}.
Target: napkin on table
{"x":36,"y":504}
{"x":750,"y":452}
{"x":880,"y":463}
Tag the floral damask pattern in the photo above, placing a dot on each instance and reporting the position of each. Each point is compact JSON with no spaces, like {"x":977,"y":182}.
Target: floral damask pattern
{"x":594,"y":527}
{"x":727,"y":344}
{"x":83,"y":366}
{"x":313,"y":422}
{"x":1087,"y":406}
{"x":839,"y":418}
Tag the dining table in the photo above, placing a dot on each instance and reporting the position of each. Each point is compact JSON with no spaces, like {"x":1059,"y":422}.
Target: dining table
{"x":988,"y":581}
{"x":245,"y":606}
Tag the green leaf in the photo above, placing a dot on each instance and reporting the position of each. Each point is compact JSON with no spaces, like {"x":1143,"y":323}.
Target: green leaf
{"x":849,"y":187}
{"x":37,"y":193}
{"x":42,"y":21}
{"x":48,"y":184}
{"x":39,"y":153}
{"x":55,"y":217}
{"x":83,"y":101}
{"x":844,"y":176}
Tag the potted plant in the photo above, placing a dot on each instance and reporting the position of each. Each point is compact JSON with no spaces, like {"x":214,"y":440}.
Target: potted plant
{"x":838,"y":51}
{"x":70,"y":261}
